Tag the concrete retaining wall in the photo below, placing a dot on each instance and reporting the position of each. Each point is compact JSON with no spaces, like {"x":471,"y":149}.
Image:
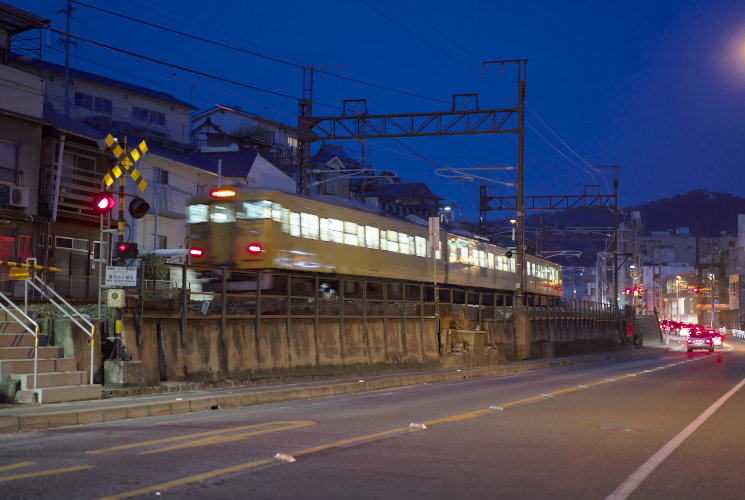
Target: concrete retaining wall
{"x":240,"y":353}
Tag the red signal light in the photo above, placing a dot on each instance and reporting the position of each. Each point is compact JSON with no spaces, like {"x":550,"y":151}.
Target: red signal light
{"x":628,"y":291}
{"x":696,"y":289}
{"x":196,"y":252}
{"x":223,"y":193}
{"x":254,"y":249}
{"x":103,"y":202}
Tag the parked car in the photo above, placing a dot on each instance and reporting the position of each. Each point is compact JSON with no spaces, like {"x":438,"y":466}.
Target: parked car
{"x":700,"y":339}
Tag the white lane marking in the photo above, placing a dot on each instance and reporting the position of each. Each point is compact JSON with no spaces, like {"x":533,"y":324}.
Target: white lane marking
{"x":635,"y":479}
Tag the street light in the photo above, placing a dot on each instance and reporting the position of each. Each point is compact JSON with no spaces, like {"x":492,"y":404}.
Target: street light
{"x":677,"y":296}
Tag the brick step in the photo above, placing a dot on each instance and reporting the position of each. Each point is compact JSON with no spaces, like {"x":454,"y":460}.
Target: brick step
{"x":16,"y":340}
{"x":50,"y":379}
{"x":10,"y":366}
{"x":59,"y":394}
{"x":28,"y":352}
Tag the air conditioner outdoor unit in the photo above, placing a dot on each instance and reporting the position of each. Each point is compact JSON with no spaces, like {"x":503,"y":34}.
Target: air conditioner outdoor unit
{"x":14,"y":196}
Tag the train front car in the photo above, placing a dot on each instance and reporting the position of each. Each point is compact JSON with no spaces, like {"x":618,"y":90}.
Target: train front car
{"x":227,"y":230}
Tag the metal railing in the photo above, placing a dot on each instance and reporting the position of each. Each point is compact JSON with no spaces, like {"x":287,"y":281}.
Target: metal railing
{"x":65,"y":308}
{"x":18,"y":315}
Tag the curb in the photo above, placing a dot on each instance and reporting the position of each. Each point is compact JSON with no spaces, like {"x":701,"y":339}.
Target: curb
{"x":52,"y":419}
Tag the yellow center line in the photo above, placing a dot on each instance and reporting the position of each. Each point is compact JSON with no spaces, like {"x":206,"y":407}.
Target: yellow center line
{"x":187,"y":480}
{"x":250,"y":465}
{"x":523,"y":401}
{"x":19,"y":465}
{"x":285,"y":424}
{"x":345,"y":442}
{"x":565,"y":391}
{"x":458,"y":418}
{"x":46,"y":472}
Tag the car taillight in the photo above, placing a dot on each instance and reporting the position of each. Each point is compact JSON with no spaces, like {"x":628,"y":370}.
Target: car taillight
{"x":196,"y":252}
{"x":254,"y":249}
{"x":690,"y":341}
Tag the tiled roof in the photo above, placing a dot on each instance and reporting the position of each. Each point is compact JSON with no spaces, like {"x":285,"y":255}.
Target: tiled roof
{"x":412,"y":189}
{"x":234,"y":163}
{"x":329,"y":151}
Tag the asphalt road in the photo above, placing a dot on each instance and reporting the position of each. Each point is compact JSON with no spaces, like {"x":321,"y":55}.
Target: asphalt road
{"x":663,"y":426}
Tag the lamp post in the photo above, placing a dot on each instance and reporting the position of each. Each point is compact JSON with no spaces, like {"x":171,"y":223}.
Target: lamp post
{"x":677,"y":296}
{"x":713,"y":283}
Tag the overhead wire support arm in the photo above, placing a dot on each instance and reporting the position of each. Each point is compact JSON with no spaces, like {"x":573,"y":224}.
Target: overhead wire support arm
{"x":364,"y":126}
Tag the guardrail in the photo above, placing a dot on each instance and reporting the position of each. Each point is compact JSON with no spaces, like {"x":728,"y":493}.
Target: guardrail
{"x":68,"y":310}
{"x":740,"y":334}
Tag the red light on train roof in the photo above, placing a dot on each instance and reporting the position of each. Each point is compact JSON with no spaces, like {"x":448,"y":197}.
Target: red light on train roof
{"x":196,"y":252}
{"x":222,"y":193}
{"x":254,"y":249}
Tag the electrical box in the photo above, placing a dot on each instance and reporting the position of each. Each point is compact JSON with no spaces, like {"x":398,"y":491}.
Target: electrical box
{"x":115,"y":297}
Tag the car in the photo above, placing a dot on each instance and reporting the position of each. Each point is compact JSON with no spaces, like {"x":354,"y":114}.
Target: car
{"x":717,"y":338}
{"x":700,"y":339}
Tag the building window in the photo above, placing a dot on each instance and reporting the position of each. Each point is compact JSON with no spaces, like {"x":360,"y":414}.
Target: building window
{"x":8,"y":162}
{"x":83,"y":100}
{"x":158,"y":118}
{"x":161,"y":176}
{"x":102,"y":105}
{"x":162,"y":241}
{"x":140,"y":114}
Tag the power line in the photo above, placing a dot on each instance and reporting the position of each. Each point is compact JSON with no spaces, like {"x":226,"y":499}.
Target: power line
{"x":171,"y":65}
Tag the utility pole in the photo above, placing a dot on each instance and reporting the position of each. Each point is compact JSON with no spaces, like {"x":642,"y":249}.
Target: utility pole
{"x":68,"y":11}
{"x":615,"y":233}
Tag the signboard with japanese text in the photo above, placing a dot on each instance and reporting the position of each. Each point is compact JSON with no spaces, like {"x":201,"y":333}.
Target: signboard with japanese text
{"x":121,"y":276}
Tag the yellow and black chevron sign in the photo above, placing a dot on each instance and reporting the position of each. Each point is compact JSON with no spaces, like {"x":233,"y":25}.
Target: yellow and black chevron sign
{"x":125,"y":162}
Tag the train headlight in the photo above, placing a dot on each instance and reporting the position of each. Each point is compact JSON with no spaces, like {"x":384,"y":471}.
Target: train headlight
{"x":223,"y":193}
{"x":196,"y":252}
{"x":254,"y":249}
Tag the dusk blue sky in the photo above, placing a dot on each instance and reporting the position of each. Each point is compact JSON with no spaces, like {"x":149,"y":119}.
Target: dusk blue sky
{"x":656,"y":87}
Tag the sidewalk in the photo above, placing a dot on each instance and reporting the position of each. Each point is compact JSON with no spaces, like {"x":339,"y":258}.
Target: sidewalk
{"x":17,"y":417}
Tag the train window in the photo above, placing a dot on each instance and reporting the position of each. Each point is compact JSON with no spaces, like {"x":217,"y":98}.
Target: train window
{"x":452,"y":252}
{"x":512,"y":265}
{"x":372,"y":237}
{"x":350,"y":234}
{"x":420,"y":245}
{"x":490,"y":260}
{"x":294,"y":224}
{"x":285,"y":218}
{"x":258,"y":209}
{"x":361,"y":235}
{"x":336,"y":231}
{"x":482,"y":258}
{"x":222,"y":212}
{"x":324,"y":226}
{"x":198,"y":213}
{"x":309,"y":226}
{"x":403,"y":244}
{"x":391,"y":239}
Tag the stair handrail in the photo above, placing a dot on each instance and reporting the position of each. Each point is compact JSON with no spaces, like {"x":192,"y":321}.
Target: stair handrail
{"x":25,"y":324}
{"x":50,"y":294}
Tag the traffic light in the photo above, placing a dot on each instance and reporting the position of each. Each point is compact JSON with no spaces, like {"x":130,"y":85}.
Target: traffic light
{"x":696,"y":289}
{"x":138,"y":207}
{"x":127,"y":251}
{"x":103,"y":202}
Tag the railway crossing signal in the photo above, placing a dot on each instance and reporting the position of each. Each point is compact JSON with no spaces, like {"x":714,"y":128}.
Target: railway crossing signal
{"x":103,"y":202}
{"x":125,"y":162}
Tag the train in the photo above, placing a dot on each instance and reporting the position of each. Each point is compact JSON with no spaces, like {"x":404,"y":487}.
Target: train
{"x":250,"y":229}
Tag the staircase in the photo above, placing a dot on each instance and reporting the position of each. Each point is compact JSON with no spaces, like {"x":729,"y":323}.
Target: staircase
{"x":57,"y":378}
{"x":649,"y":328}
